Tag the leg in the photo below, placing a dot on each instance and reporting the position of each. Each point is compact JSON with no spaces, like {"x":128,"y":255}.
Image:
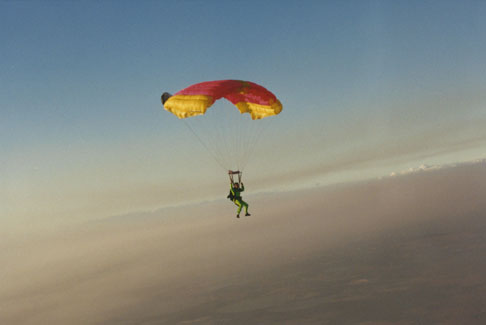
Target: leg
{"x":238,"y":203}
{"x":245,"y":205}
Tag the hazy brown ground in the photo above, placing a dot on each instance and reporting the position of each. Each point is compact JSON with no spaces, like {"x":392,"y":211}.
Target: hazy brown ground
{"x":405,"y":250}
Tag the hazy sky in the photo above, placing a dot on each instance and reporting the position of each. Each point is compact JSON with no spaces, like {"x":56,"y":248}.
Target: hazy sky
{"x":368,"y":87}
{"x":413,"y":244}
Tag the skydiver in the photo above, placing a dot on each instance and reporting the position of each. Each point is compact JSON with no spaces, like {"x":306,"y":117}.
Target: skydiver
{"x":235,"y":196}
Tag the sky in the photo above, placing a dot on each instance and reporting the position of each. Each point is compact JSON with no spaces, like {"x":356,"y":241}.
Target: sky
{"x":367,"y":87}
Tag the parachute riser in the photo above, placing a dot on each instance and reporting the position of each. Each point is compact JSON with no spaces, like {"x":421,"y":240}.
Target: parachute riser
{"x":232,"y":173}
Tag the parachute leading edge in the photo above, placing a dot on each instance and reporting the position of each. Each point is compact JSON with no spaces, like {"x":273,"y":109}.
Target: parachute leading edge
{"x":247,"y":96}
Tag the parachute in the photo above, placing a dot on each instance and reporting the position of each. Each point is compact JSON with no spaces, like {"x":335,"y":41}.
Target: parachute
{"x":224,"y":132}
{"x":247,"y":96}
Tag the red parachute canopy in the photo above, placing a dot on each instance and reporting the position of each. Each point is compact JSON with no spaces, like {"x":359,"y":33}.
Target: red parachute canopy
{"x":247,"y":96}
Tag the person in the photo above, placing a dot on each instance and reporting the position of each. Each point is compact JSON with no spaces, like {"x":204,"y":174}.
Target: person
{"x":235,"y":196}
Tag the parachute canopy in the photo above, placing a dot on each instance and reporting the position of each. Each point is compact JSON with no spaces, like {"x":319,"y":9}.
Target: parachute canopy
{"x":247,"y":96}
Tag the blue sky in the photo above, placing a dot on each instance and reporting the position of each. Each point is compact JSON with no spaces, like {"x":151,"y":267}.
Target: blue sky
{"x":367,"y":87}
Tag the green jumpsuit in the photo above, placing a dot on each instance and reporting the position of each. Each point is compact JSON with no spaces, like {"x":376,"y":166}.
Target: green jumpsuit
{"x":237,"y":198}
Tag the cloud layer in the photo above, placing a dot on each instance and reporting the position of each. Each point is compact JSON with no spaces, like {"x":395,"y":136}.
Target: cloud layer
{"x":199,"y":263}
